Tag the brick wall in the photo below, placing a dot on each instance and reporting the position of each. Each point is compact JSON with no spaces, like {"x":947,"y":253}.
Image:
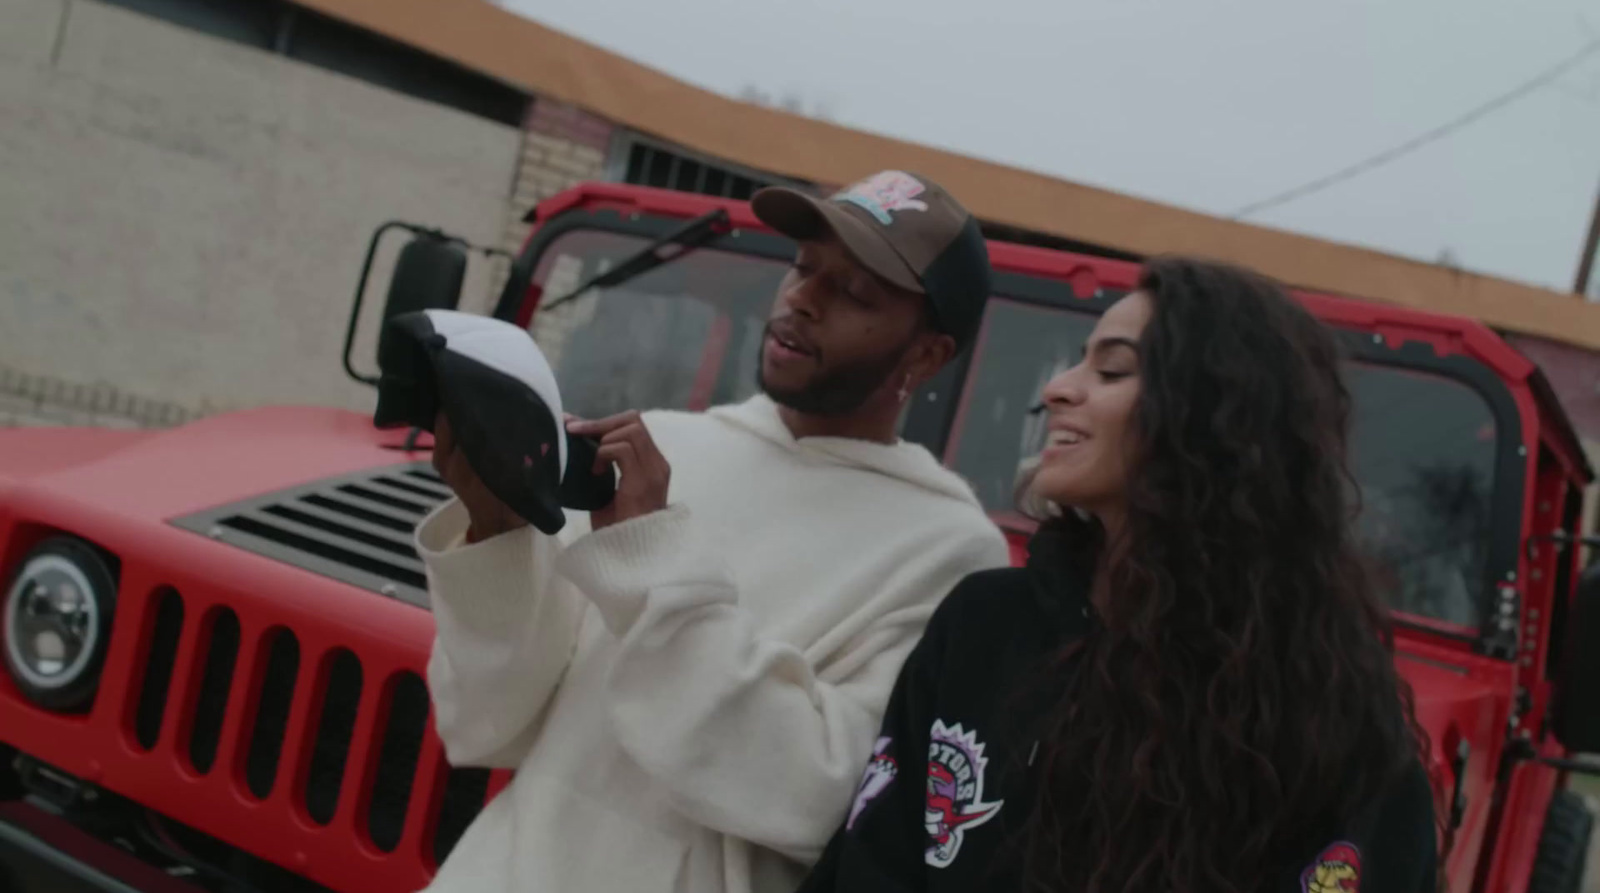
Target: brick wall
{"x":30,"y":400}
{"x":562,"y":145}
{"x":184,"y":218}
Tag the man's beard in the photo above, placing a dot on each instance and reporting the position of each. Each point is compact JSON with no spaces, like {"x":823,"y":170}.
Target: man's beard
{"x":835,"y":391}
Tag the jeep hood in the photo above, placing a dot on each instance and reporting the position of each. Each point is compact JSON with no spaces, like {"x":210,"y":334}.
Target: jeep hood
{"x":161,"y":475}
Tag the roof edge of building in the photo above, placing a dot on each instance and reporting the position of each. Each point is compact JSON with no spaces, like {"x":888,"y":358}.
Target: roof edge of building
{"x":501,"y":44}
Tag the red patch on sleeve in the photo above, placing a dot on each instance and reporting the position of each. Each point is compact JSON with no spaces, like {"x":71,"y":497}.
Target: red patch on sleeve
{"x":1336,"y":869}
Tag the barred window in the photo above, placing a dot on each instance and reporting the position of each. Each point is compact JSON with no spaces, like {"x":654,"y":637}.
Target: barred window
{"x":645,"y":162}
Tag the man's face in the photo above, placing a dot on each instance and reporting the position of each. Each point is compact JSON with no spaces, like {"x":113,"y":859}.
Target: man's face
{"x":838,"y":335}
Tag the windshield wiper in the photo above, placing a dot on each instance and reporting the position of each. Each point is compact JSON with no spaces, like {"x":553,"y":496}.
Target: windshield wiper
{"x":666,"y":249}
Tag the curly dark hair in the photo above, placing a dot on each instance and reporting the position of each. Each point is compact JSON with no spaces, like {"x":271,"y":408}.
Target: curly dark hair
{"x":1237,"y":697}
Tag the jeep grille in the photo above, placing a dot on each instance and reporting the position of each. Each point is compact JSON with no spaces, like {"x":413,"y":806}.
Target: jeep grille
{"x":357,"y":528}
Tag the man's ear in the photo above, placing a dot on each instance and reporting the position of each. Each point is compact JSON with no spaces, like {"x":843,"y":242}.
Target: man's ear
{"x":929,"y":354}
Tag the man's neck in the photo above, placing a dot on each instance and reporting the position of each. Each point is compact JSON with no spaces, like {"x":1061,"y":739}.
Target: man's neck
{"x":866,"y":424}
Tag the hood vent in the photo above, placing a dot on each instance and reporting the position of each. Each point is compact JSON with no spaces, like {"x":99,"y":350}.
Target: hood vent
{"x":357,"y":528}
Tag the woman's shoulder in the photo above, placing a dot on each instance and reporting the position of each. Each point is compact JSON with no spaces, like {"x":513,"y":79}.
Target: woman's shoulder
{"x":1410,"y":804}
{"x":1389,"y":847}
{"x":1007,"y":609}
{"x":984,"y":597}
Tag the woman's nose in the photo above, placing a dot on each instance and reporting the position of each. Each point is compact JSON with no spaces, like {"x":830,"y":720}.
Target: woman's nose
{"x":1064,"y":388}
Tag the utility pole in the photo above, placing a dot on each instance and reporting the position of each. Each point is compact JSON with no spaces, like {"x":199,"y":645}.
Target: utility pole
{"x":1580,"y":286}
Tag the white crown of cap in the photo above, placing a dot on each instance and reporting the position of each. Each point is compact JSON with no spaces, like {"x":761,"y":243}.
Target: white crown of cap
{"x":508,"y":349}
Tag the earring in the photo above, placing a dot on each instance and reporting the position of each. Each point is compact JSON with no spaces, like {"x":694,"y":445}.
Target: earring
{"x":905,"y":388}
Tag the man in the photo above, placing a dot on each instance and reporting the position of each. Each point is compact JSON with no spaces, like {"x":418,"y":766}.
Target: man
{"x":688,"y":691}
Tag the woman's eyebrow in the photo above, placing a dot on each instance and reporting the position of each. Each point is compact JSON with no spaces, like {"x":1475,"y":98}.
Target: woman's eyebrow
{"x":1101,"y":345}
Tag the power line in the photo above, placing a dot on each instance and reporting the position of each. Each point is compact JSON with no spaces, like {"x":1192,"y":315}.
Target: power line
{"x":1437,"y":133}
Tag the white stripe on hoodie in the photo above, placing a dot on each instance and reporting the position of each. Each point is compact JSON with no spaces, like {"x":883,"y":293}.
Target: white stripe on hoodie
{"x":689,"y":698}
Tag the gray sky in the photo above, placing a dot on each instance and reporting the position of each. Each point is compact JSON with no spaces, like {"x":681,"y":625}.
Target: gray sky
{"x":1209,"y":104}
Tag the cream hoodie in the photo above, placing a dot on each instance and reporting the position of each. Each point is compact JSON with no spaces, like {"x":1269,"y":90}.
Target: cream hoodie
{"x":689,"y":698}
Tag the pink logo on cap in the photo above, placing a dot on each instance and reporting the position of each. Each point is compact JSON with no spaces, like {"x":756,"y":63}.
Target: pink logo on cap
{"x":884,"y":192}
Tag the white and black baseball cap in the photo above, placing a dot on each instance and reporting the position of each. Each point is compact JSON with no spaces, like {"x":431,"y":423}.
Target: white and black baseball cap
{"x":499,"y":393}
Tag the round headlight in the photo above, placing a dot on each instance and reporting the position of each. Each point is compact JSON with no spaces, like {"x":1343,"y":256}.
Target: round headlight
{"x":57,"y":623}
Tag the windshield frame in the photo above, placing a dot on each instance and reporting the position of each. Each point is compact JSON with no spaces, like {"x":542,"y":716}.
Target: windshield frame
{"x":935,"y":410}
{"x":517,"y":308}
{"x":1510,"y":472}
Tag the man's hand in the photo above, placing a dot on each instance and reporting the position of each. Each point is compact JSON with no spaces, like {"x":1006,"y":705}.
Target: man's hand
{"x":489,"y":516}
{"x":626,"y":444}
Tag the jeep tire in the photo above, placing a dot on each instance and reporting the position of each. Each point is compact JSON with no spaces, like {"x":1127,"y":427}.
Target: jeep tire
{"x":1563,"y":845}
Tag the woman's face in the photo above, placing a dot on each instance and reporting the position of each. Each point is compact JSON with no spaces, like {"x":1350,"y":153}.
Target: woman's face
{"x":1090,"y":438}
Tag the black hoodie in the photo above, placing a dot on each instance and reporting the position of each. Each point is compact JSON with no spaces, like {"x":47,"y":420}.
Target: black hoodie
{"x":951,"y":781}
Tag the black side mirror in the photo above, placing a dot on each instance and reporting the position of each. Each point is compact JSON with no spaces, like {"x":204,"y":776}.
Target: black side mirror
{"x":427,"y":276}
{"x":1577,"y":705}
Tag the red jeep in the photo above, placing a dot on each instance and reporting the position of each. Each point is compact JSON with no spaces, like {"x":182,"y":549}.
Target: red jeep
{"x":215,"y":636}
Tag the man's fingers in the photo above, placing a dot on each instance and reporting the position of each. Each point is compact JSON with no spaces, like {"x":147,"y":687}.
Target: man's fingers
{"x":624,"y":428}
{"x":620,"y":453}
{"x":636,"y":434}
{"x":639,"y":436}
{"x":646,"y":453}
{"x":625,"y":445}
{"x":602,"y":427}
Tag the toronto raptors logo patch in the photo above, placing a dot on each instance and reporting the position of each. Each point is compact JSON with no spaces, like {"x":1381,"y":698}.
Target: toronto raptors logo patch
{"x":1336,"y":870}
{"x":881,"y":770}
{"x":884,"y":192}
{"x":955,"y":791}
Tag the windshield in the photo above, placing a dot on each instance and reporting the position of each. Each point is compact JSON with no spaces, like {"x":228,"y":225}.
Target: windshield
{"x":687,"y":335}
{"x":1423,"y":451}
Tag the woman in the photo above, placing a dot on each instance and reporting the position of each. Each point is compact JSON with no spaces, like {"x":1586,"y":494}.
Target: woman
{"x":1190,"y":687}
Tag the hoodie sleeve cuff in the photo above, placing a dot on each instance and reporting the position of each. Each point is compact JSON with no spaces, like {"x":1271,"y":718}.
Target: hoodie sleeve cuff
{"x":483,"y":584}
{"x":618,"y":567}
{"x":444,"y":530}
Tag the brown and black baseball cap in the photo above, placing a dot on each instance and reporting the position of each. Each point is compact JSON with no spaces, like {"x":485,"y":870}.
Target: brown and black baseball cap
{"x":906,"y":229}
